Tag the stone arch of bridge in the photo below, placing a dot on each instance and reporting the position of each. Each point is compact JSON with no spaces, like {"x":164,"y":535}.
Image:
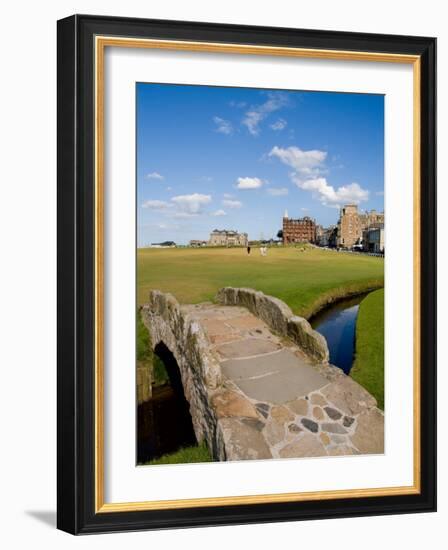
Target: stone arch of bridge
{"x":172,"y":368}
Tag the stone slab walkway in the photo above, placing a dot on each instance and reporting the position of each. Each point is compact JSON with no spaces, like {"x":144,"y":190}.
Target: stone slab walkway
{"x":275,"y":377}
{"x":276,"y":402}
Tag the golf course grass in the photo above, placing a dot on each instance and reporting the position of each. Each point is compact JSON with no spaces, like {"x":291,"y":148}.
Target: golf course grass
{"x":304,"y":280}
{"x":190,"y":455}
{"x":368,"y":368}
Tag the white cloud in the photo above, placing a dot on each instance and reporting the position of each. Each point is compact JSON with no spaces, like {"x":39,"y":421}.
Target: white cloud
{"x":232,"y":204}
{"x":182,"y":206}
{"x":191,"y":204}
{"x":249,"y":183}
{"x":279,"y":124}
{"x":309,"y":167}
{"x":329,"y":196}
{"x":155,"y":176}
{"x":257,"y":113}
{"x":223,"y":126}
{"x":157,"y":205}
{"x":277,"y":191}
{"x":219,"y":213}
{"x":305,"y":163}
{"x":379,"y":193}
{"x":228,"y":196}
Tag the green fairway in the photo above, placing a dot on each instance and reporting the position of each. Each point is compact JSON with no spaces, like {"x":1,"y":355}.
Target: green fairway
{"x":304,"y":280}
{"x":368,"y":368}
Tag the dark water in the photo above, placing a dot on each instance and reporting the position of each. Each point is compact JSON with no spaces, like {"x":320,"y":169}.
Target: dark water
{"x":164,"y":422}
{"x":337,"y":323}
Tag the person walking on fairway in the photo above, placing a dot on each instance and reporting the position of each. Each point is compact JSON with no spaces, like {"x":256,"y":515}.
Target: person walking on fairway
{"x":248,"y":250}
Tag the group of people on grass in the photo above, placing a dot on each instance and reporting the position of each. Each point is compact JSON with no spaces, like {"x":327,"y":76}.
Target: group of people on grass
{"x":263,"y":250}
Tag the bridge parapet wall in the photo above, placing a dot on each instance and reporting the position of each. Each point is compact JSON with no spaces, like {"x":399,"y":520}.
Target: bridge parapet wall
{"x":280,"y":319}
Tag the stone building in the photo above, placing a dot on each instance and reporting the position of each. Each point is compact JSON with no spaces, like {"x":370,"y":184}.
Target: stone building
{"x":373,"y":239}
{"x":298,"y":230}
{"x":195,"y":243}
{"x":227,"y":237}
{"x":327,"y":236}
{"x":352,"y":223}
{"x":349,"y":226}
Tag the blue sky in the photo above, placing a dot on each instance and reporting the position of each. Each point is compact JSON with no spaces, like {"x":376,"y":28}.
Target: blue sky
{"x":236,"y":158}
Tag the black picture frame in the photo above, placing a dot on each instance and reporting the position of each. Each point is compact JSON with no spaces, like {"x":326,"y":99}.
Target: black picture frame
{"x":76,"y":255}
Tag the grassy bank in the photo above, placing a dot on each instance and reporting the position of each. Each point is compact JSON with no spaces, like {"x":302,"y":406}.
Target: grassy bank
{"x":368,"y":368}
{"x":194,"y":454}
{"x":306,"y":281}
{"x":146,"y":356}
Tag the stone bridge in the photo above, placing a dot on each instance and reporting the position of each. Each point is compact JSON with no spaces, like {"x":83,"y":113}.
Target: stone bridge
{"x":258,"y":381}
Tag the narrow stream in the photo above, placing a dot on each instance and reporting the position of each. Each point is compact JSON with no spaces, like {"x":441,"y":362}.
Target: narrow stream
{"x":164,"y":423}
{"x":337,"y":323}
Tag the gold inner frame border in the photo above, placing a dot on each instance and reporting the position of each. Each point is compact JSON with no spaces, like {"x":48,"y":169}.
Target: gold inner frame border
{"x":100,"y":44}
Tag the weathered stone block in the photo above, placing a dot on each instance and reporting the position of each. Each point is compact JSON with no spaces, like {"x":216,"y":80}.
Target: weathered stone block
{"x":281,"y":414}
{"x":243,"y":442}
{"x":348,"y":396}
{"x":307,"y":445}
{"x":227,"y":296}
{"x":317,"y":399}
{"x":332,"y":413}
{"x":348,"y":421}
{"x":310,"y":425}
{"x":333,"y":427}
{"x":295,"y":428}
{"x":313,"y":343}
{"x":274,"y":313}
{"x":300,"y":406}
{"x":247,"y":297}
{"x":369,"y":435}
{"x":228,"y":403}
{"x":274,"y":432}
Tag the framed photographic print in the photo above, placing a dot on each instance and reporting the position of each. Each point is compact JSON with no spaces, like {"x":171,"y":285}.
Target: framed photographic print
{"x":246,"y":274}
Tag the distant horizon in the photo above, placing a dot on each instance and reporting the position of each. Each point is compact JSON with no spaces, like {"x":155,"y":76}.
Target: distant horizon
{"x":144,"y":245}
{"x":241,"y":156}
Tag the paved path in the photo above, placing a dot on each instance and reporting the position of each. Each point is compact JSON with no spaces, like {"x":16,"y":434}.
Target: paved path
{"x":275,"y":401}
